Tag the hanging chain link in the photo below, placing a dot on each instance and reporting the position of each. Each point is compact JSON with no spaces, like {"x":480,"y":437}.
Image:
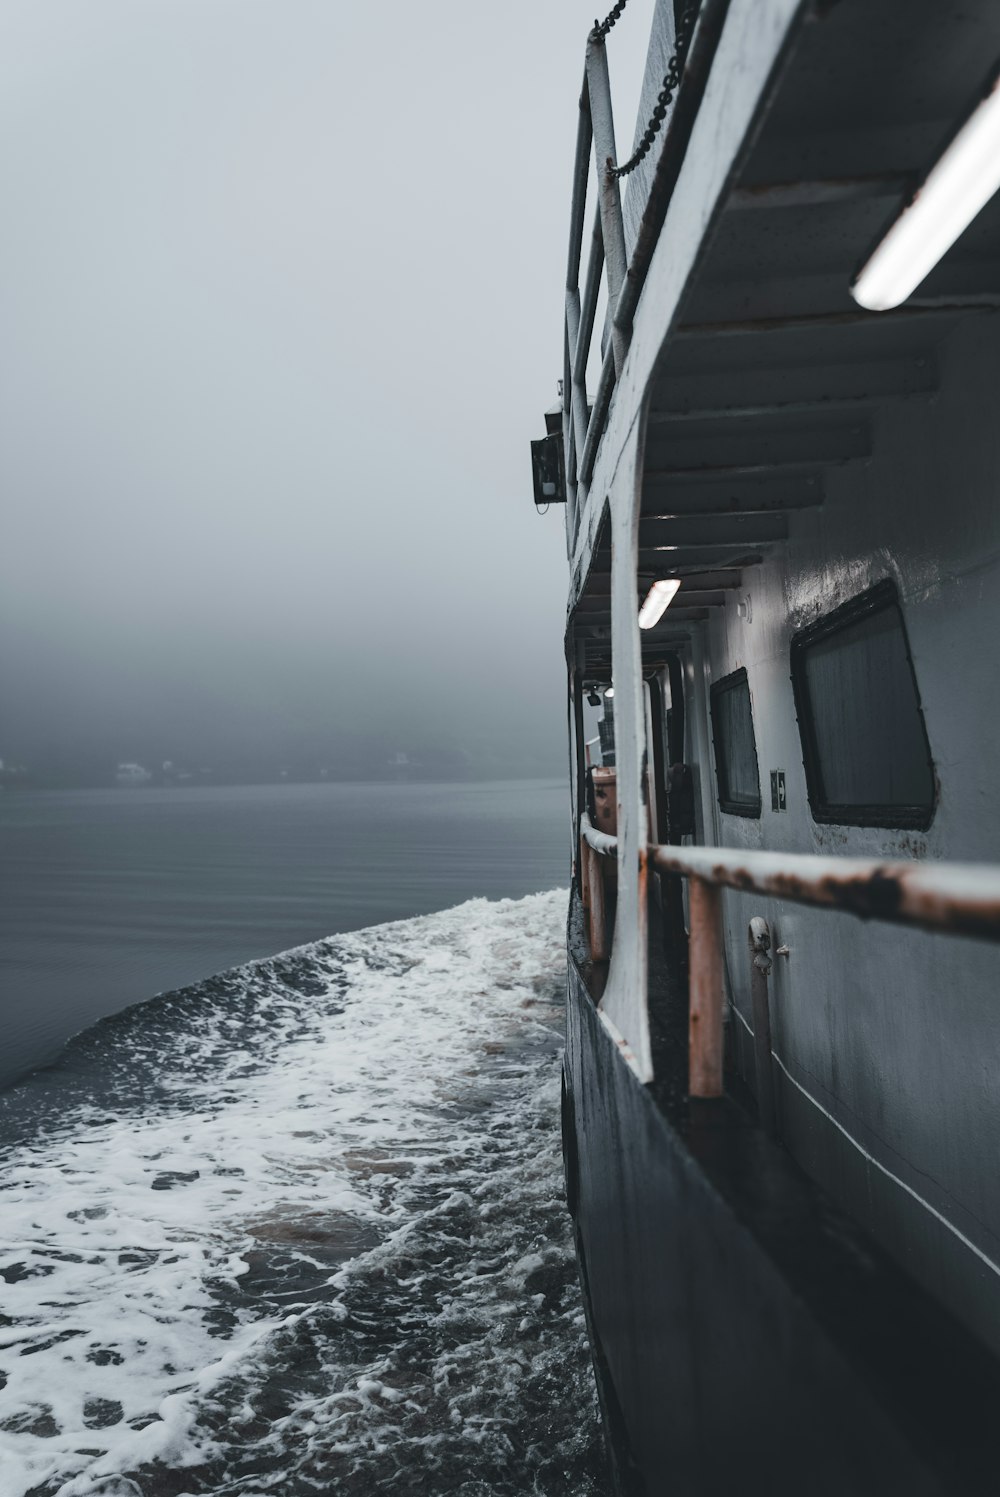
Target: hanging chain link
{"x":671,"y":81}
{"x":601,"y":28}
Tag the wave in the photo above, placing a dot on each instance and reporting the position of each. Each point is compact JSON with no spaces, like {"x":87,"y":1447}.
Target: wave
{"x":300,"y":1228}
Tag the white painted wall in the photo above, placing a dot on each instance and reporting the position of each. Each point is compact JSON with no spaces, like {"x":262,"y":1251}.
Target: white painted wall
{"x":894,"y":1034}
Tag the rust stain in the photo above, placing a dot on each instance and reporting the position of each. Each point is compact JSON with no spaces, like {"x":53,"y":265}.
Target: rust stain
{"x":891,"y":891}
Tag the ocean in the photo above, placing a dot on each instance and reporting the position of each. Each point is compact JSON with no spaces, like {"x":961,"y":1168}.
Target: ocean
{"x":110,"y":896}
{"x":299,"y":1227}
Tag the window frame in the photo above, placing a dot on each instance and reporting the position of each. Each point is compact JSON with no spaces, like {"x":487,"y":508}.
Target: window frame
{"x":752,"y":812}
{"x":884,"y":595}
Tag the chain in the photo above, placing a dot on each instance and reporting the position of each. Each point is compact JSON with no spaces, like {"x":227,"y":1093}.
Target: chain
{"x":675,"y":69}
{"x":601,"y":28}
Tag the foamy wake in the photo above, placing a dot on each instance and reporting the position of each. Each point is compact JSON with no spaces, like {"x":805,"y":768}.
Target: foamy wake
{"x":301,"y":1229}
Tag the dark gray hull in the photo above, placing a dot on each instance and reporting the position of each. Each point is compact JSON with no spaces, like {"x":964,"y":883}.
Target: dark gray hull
{"x":745,"y":1333}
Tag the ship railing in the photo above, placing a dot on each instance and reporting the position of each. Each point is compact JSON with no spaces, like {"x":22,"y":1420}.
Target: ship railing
{"x":961,"y":899}
{"x":584,"y":421}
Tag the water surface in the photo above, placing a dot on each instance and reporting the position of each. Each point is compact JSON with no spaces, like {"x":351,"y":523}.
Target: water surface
{"x":300,"y":1228}
{"x":110,"y":896}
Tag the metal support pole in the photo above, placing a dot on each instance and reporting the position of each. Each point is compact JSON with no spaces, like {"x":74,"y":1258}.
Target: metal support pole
{"x":578,"y":393}
{"x":580,"y":174}
{"x":598,"y":416}
{"x":569,"y":450}
{"x":585,"y":857}
{"x":588,"y":304}
{"x":609,"y":195}
{"x":760,"y":969}
{"x":598,"y":929}
{"x":705,"y":983}
{"x":569,"y":444}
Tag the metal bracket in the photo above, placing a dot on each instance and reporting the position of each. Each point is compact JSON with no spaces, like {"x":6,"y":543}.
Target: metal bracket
{"x":759,"y":934}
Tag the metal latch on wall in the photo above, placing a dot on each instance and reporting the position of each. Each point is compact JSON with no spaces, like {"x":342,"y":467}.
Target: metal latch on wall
{"x":759,"y":934}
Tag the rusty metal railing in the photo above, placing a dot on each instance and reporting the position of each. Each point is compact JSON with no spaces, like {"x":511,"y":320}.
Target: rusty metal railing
{"x":961,"y":899}
{"x":593,"y":845}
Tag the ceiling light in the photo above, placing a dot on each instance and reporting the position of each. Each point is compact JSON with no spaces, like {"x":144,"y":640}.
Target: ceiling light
{"x":957,"y":186}
{"x":610,"y":691}
{"x":659,"y":597}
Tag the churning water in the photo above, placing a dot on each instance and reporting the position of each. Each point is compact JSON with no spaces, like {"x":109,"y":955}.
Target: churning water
{"x":299,"y":1229}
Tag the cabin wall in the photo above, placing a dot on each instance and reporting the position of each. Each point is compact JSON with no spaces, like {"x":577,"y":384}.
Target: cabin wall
{"x":889,"y":1040}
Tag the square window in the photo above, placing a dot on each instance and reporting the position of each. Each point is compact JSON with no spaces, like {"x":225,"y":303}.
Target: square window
{"x":867,"y":758}
{"x":735,"y":746}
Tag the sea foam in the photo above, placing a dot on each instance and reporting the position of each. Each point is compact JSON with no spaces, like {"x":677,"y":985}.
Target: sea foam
{"x":300,"y":1228}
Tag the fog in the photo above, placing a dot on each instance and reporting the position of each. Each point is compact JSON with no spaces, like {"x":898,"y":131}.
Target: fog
{"x":281,"y":290}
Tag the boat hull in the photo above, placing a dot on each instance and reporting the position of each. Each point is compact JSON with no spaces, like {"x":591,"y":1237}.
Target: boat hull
{"x":743,"y":1329}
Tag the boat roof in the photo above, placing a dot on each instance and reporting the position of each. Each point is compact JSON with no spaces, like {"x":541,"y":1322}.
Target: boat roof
{"x":770,"y":375}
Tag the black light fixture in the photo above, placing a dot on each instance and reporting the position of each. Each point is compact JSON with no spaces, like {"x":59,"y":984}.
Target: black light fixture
{"x":593,"y":698}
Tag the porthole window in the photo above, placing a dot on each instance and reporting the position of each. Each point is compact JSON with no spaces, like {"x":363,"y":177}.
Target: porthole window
{"x":735,"y":746}
{"x":864,"y":743}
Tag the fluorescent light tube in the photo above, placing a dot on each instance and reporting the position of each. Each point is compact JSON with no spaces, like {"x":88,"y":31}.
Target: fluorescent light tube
{"x":959,"y":184}
{"x":658,"y":599}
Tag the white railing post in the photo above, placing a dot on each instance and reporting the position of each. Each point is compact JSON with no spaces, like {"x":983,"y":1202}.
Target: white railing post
{"x":569,"y":444}
{"x":575,"y":428}
{"x":609,"y":194}
{"x":578,"y":389}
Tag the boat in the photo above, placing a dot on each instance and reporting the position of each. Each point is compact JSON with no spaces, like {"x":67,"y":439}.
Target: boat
{"x":776,"y":452}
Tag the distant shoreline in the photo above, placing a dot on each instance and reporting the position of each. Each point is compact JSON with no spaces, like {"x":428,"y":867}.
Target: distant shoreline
{"x":167,"y":786}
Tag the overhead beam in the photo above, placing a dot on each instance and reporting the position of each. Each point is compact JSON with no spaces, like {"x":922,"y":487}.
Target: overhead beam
{"x":776,"y":386}
{"x":820,"y":191}
{"x":679,"y":615}
{"x":693,"y":597}
{"x":597,"y":610}
{"x":676,"y":563}
{"x":720,"y":580}
{"x":677,"y":417}
{"x":747,"y":468}
{"x":664,"y":497}
{"x":657,"y":653}
{"x":727,"y":446}
{"x":600,"y":670}
{"x":909,"y":313}
{"x":713,"y":530}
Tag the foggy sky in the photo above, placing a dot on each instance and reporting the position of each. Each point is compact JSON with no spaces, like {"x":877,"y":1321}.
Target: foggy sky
{"x":280,"y":310}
